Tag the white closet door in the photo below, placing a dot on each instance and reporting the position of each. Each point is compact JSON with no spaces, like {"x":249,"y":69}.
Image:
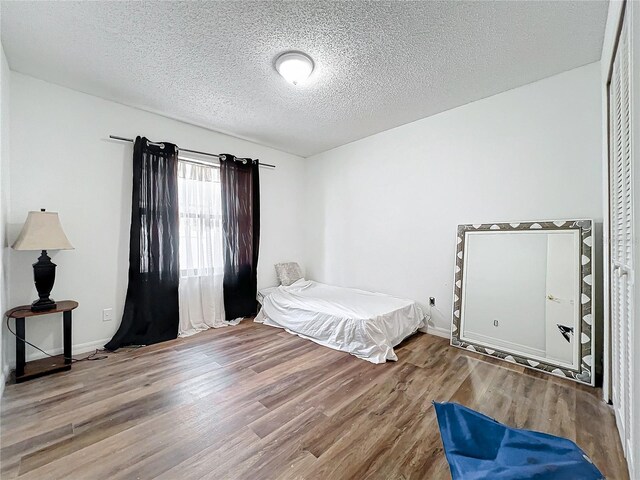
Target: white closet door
{"x":621,"y":241}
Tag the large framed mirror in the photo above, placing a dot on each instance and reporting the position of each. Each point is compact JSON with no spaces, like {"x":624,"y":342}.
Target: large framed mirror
{"x":523,"y":292}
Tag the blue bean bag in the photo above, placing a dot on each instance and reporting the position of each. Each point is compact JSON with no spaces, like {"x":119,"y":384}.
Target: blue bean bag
{"x":478,"y":447}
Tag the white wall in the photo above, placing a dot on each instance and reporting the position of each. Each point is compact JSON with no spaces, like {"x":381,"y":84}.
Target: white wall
{"x":5,"y":78}
{"x":382,"y":212}
{"x":61,"y":160}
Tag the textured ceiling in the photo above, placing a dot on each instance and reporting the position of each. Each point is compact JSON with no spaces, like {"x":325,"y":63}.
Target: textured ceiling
{"x":378,"y":64}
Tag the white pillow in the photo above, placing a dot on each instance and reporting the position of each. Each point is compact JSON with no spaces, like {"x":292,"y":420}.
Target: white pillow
{"x":288,"y":273}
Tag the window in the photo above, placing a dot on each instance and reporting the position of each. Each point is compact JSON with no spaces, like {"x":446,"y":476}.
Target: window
{"x":200,"y":219}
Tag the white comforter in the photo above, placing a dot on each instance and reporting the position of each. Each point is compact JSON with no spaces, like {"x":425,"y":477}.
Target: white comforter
{"x":365,"y":324}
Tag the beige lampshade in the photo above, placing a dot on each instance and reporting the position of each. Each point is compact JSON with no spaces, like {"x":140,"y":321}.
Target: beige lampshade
{"x":42,"y":231}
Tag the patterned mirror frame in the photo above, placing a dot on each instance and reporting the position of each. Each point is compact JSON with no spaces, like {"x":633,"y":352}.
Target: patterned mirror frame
{"x":585,"y":372}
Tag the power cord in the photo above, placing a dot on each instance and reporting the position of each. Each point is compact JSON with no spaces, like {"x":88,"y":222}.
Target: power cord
{"x":93,"y":356}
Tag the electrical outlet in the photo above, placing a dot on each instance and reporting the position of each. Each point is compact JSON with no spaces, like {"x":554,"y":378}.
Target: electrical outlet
{"x":432,"y":301}
{"x":107,"y":314}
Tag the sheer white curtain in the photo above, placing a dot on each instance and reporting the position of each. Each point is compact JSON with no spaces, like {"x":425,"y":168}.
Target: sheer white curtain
{"x":201,"y":261}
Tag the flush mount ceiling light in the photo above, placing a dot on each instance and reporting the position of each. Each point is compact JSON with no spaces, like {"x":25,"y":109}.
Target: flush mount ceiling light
{"x":295,"y":67}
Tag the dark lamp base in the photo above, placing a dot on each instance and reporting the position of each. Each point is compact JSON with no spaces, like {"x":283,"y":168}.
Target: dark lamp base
{"x":41,"y":305}
{"x":44,"y":275}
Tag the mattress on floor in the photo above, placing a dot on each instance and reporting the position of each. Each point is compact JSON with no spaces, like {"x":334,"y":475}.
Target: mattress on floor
{"x":365,"y":324}
{"x":264,"y":292}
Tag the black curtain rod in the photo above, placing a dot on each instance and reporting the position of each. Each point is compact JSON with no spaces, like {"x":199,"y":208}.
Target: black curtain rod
{"x":123,"y":139}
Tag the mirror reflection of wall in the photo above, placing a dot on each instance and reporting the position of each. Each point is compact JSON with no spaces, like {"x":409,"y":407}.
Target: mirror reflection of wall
{"x":521,"y":292}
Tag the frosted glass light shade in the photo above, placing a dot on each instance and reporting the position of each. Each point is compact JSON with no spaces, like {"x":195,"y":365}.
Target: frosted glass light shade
{"x":295,"y":67}
{"x":42,"y":231}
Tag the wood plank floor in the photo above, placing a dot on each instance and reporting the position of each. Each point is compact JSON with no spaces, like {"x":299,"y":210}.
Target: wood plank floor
{"x":253,"y":402}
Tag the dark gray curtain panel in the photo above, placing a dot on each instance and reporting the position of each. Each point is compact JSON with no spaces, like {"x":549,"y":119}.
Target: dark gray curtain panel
{"x":151,"y":306}
{"x":241,"y":234}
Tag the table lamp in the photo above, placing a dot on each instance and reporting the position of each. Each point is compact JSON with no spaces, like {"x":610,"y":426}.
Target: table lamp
{"x":43,"y":231}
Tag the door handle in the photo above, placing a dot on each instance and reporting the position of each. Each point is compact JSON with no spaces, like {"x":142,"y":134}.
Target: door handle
{"x":553,"y":298}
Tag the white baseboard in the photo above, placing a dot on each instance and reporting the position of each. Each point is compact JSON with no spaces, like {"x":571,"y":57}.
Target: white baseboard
{"x":439,"y":331}
{"x":76,"y":349}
